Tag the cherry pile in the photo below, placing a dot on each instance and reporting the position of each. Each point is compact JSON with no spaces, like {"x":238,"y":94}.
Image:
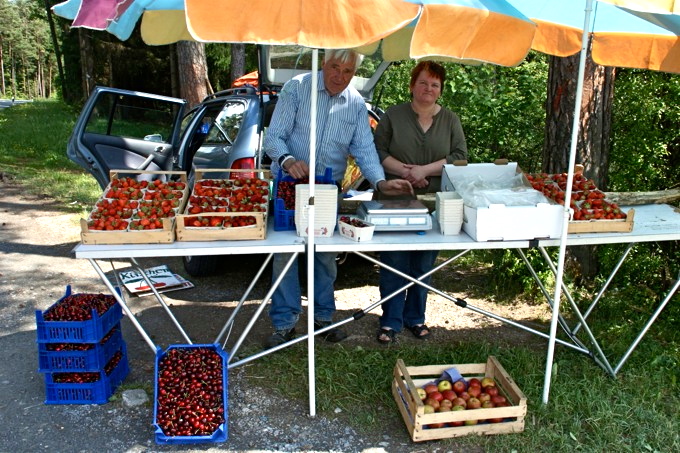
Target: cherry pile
{"x":78,"y":346}
{"x":88,"y":377}
{"x":286,"y":191}
{"x":189,"y":397}
{"x":78,"y":307}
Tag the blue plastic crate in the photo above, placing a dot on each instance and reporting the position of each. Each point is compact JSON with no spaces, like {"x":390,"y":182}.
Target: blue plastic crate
{"x":284,"y":219}
{"x":90,"y":331}
{"x":93,"y":359}
{"x":97,"y":392}
{"x":220,"y":434}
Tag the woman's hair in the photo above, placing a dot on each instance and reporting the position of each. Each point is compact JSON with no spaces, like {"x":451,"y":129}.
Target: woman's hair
{"x":432,"y":68}
{"x":344,"y":55}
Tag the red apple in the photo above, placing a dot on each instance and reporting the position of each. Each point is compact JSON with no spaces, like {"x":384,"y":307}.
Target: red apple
{"x":446,"y":408}
{"x":436,"y":395}
{"x":432,"y":402}
{"x":444,"y":385}
{"x":496,"y":399}
{"x":491,"y":390}
{"x":459,"y":386}
{"x":484,"y":397}
{"x":459,"y":402}
{"x":474,"y":381}
{"x":487,"y":404}
{"x":449,"y":395}
{"x":429,"y":388}
{"x":464,"y":395}
{"x":474,"y":403}
{"x":445,"y":404}
{"x":474,"y":391}
{"x":495,"y":420}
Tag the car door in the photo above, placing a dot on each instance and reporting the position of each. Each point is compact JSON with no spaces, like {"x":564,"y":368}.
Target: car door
{"x":126,"y":130}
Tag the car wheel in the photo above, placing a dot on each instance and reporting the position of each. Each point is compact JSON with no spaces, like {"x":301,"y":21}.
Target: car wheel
{"x":201,"y":266}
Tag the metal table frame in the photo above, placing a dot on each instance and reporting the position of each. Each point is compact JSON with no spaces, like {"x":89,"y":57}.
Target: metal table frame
{"x":652,"y":223}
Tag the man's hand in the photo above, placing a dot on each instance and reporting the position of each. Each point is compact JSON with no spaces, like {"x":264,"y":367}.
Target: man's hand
{"x":298,"y":169}
{"x":395,"y":187}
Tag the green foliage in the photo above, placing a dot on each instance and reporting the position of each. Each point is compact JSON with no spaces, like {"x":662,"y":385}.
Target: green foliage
{"x":33,"y":149}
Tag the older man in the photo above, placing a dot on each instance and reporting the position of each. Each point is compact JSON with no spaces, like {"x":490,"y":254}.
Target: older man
{"x":342,"y":130}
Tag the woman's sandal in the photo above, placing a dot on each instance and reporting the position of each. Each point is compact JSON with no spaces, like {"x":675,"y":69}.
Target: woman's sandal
{"x":386,"y":336}
{"x":421,"y":331}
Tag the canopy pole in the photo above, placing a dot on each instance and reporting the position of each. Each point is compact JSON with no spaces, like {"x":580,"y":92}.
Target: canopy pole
{"x":567,"y":202}
{"x":310,"y":234}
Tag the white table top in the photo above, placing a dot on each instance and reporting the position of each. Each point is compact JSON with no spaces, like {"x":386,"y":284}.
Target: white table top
{"x":652,"y":223}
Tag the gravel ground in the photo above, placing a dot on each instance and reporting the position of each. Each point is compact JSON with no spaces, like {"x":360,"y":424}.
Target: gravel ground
{"x":36,"y":241}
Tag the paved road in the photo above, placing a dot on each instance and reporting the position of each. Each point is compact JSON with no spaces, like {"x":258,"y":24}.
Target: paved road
{"x":5,"y":103}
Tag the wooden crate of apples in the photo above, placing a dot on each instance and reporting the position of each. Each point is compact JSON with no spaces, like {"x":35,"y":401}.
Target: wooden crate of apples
{"x":485,"y":401}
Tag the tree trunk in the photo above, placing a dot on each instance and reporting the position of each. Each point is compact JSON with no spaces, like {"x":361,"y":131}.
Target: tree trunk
{"x":57,"y":49}
{"x":174,"y":77}
{"x":86,"y":62}
{"x":2,"y":70}
{"x":193,"y":71}
{"x":592,"y":149}
{"x":237,"y":67}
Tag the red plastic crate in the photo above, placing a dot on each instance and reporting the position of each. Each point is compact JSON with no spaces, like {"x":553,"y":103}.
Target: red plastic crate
{"x":90,"y":331}
{"x":94,"y":359}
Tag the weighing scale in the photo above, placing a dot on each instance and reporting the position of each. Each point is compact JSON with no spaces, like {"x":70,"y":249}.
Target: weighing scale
{"x":395,"y":215}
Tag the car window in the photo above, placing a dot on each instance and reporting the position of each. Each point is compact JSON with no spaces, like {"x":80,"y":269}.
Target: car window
{"x":226,"y":125}
{"x":132,"y":117}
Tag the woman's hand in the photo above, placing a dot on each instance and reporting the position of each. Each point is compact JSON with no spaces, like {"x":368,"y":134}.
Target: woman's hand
{"x":416,"y":175}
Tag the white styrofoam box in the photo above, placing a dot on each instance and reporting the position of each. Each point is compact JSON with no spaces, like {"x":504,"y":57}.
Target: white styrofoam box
{"x":325,"y":209}
{"x":499,"y":222}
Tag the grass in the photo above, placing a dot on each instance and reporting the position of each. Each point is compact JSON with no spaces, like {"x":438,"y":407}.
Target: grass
{"x":33,"y":151}
{"x":588,"y":410}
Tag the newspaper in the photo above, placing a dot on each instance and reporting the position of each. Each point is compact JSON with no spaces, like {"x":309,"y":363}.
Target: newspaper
{"x":162,"y":277}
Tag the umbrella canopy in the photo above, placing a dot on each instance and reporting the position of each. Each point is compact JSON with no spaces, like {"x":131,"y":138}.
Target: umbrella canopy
{"x":620,"y":37}
{"x":467,"y":31}
{"x":163,"y":21}
{"x":650,"y":6}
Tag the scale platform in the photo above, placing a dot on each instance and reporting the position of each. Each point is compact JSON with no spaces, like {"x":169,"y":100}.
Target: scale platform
{"x":396,"y":215}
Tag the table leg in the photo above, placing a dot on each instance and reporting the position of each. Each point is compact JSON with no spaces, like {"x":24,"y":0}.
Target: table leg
{"x":230,"y":321}
{"x":123,"y":305}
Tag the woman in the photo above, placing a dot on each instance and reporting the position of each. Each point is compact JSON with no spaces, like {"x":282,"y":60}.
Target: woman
{"x":414,"y":141}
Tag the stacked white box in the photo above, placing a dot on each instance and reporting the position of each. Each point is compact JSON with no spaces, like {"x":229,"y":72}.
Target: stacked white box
{"x":449,"y":207}
{"x":325,"y":209}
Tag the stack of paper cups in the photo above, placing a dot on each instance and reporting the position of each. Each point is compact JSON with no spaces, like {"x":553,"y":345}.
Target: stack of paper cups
{"x":449,"y":207}
{"x":325,"y":209}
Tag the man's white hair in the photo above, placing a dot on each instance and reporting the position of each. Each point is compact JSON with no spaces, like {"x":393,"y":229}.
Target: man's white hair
{"x":344,"y":55}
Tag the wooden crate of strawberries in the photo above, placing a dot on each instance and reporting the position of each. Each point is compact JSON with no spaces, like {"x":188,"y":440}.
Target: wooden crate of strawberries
{"x":226,"y":209}
{"x":434,"y":407}
{"x":137,"y":207}
{"x":593,"y":213}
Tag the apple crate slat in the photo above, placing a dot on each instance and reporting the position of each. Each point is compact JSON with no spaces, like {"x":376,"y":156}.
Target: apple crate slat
{"x":97,"y":392}
{"x":284,"y":219}
{"x":221,"y":433}
{"x":408,"y":379}
{"x":93,"y":359}
{"x":89,"y":331}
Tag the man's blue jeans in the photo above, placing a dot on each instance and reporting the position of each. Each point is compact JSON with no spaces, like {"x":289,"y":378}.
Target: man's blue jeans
{"x":406,"y":308}
{"x":286,"y":305}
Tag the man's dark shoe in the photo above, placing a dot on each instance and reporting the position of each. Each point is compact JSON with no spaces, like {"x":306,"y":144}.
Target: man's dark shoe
{"x":279,"y":337}
{"x":333,"y":335}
